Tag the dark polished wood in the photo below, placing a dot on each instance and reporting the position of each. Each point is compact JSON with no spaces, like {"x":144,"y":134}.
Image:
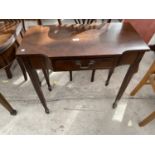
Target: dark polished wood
{"x":8,"y":71}
{"x":132,"y":69}
{"x":93,"y":75}
{"x":21,"y":65}
{"x":59,"y":22}
{"x":35,"y":81}
{"x":46,"y":75}
{"x":109,"y":76}
{"x":6,"y":105}
{"x":70,"y":75}
{"x":87,"y":47}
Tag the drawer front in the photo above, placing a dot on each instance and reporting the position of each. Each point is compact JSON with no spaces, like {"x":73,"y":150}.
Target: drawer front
{"x":82,"y":64}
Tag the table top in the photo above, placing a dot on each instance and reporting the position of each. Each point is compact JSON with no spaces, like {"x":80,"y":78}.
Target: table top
{"x":81,"y":40}
{"x":8,"y":34}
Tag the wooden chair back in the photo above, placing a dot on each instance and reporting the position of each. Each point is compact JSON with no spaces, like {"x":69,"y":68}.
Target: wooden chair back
{"x":84,"y":21}
{"x":90,"y":21}
{"x":9,"y":36}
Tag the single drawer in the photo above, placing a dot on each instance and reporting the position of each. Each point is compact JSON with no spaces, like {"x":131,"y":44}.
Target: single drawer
{"x":82,"y":64}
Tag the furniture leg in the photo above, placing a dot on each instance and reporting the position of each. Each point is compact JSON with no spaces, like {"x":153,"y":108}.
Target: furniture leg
{"x":70,"y":75}
{"x":22,"y":68}
{"x":38,"y":79}
{"x":93,"y":75}
{"x":46,"y":75}
{"x":111,"y":70}
{"x":23,"y":24}
{"x":132,"y":69}
{"x":21,"y":34}
{"x":147,"y":119}
{"x":39,"y":21}
{"x":8,"y":72}
{"x":59,"y":21}
{"x":34,"y":79}
{"x":125,"y":83}
{"x":143,"y":81}
{"x":5,"y":103}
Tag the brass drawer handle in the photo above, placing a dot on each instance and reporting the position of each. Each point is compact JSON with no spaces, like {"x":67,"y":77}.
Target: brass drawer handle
{"x":78,"y":62}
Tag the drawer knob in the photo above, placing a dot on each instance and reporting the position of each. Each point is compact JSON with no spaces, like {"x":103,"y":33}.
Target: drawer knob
{"x":91,"y":62}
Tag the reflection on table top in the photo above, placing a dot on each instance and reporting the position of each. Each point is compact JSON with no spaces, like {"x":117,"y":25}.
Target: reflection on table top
{"x":81,"y":40}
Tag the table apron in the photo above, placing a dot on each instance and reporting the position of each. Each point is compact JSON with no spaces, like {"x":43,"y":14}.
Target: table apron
{"x":82,"y":63}
{"x":85,"y":63}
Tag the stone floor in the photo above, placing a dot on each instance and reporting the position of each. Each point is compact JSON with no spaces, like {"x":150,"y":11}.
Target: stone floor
{"x":77,"y":107}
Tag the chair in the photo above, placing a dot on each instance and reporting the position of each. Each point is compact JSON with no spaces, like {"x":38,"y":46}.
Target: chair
{"x":6,"y":59}
{"x":149,"y":78}
{"x":39,"y":22}
{"x":6,"y":105}
{"x":84,"y":21}
{"x":146,"y":29}
{"x":147,"y":119}
{"x":8,"y":55}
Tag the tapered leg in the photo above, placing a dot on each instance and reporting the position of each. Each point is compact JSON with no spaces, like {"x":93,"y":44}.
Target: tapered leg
{"x":59,"y":21}
{"x":21,"y":34}
{"x":125,"y":83}
{"x":70,"y":75}
{"x":148,"y":119}
{"x":93,"y":75}
{"x":144,"y":80}
{"x":38,"y":79}
{"x":8,"y":72}
{"x":6,"y":104}
{"x":22,"y":68}
{"x":111,"y":70}
{"x":132,"y":69}
{"x":34,"y":79}
{"x":46,"y":74}
{"x":23,"y":24}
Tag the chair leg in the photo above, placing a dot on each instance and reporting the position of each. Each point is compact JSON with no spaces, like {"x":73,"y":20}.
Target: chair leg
{"x":109,"y":76}
{"x":22,"y":68}
{"x":93,"y":75}
{"x":39,"y":22}
{"x":23,"y":24}
{"x":140,"y":85}
{"x":143,"y":81}
{"x":8,"y":72}
{"x":70,"y":75}
{"x":46,"y":74}
{"x":5,"y":104}
{"x":147,"y":119}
